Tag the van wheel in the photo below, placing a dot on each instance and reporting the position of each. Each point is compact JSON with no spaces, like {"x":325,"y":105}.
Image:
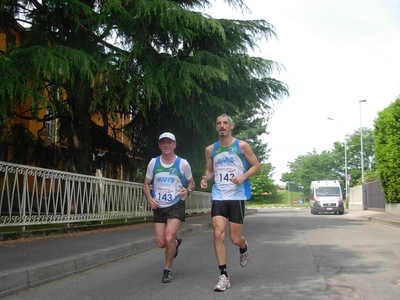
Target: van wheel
{"x":341,"y":212}
{"x":313,"y":211}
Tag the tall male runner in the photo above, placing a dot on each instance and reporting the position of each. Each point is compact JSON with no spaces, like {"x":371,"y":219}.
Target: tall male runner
{"x":168,"y":182}
{"x":227,"y":161}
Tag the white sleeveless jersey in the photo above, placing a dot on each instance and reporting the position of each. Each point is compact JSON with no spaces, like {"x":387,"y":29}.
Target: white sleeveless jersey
{"x":229,"y":162}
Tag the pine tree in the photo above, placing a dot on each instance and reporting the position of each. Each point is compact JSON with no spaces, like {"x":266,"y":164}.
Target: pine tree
{"x":166,"y":65}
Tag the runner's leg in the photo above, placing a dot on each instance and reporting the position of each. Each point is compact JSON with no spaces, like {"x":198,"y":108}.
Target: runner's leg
{"x":170,"y":240}
{"x":219,"y":224}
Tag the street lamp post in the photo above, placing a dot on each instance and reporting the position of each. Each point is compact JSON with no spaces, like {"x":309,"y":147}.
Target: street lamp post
{"x":362,"y":144}
{"x":345,"y":161}
{"x":345,"y":168}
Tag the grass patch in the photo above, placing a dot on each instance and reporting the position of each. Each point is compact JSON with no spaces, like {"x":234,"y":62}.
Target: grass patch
{"x":281,"y":199}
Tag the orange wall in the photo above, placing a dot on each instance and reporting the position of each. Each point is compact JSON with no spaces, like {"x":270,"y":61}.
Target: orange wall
{"x":35,"y":126}
{"x":3,"y":41}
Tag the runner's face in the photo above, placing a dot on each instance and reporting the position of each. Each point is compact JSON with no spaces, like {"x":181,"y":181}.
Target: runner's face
{"x":167,"y":145}
{"x":224,"y":128}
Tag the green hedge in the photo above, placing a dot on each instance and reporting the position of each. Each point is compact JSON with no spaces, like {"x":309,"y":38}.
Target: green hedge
{"x":387,"y":150}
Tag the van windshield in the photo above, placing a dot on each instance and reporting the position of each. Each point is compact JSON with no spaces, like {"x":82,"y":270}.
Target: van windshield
{"x":327,"y":191}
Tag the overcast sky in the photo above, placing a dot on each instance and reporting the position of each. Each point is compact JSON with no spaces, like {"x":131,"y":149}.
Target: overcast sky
{"x":335,"y":53}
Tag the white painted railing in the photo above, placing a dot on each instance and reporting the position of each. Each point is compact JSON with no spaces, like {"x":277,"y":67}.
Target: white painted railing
{"x":31,"y":196}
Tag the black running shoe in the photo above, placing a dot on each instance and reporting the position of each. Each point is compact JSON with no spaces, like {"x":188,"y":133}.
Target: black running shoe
{"x":167,"y":276}
{"x":179,"y":240}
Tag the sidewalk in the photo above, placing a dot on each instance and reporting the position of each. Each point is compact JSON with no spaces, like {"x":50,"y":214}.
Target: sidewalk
{"x":377,"y":217}
{"x":29,"y":262}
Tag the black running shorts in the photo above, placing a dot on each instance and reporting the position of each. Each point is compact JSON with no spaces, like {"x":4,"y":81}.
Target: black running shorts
{"x":233,"y":210}
{"x":176,"y":211}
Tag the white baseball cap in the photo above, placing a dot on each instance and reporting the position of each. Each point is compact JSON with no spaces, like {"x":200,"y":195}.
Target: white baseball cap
{"x":167,"y":135}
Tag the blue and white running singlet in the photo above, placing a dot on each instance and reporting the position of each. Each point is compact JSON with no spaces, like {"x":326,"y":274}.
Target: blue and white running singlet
{"x":167,"y":182}
{"x":229,"y":162}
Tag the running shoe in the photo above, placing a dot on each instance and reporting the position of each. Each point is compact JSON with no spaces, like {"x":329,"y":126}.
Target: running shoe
{"x":223,"y":284}
{"x":179,"y":240}
{"x":244,"y":257}
{"x":167,"y":276}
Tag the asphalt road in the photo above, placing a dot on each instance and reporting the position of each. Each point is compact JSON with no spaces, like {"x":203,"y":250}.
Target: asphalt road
{"x":293,"y":255}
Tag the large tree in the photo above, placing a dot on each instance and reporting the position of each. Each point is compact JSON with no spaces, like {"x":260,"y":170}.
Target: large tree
{"x":165,"y":65}
{"x":309,"y":167}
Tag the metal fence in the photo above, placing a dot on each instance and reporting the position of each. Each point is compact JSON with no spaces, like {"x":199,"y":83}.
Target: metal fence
{"x":373,"y":198}
{"x":32,"y":196}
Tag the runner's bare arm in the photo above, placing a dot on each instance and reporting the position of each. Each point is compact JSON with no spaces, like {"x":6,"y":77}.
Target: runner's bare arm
{"x":209,"y":173}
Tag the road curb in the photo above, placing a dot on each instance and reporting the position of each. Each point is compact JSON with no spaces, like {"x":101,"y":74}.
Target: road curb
{"x":381,"y":221}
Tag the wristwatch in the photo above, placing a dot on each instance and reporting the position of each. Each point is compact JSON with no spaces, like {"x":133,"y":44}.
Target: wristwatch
{"x":189,"y":191}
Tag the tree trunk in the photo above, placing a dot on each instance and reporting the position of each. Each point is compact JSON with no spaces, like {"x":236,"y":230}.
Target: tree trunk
{"x":79,"y":157}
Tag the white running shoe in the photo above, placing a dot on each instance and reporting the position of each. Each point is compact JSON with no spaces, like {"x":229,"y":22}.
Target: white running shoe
{"x":223,"y":284}
{"x":244,"y":257}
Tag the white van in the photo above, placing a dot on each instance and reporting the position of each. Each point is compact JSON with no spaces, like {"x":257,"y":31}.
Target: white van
{"x":326,"y":196}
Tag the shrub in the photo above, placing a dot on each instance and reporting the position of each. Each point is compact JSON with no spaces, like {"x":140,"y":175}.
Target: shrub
{"x":387,"y":150}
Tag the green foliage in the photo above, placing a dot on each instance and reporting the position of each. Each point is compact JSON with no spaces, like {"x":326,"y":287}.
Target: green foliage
{"x":369,"y":176}
{"x":262,"y":183}
{"x":164,"y":64}
{"x":32,"y":72}
{"x":387,"y":154}
{"x":354,"y":150}
{"x":251,"y":127}
{"x":279,"y":199}
{"x":330,"y":165}
{"x":312,"y":166}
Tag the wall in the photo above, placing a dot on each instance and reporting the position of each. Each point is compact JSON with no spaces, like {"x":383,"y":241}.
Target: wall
{"x":393,"y":208}
{"x":355,"y":198}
